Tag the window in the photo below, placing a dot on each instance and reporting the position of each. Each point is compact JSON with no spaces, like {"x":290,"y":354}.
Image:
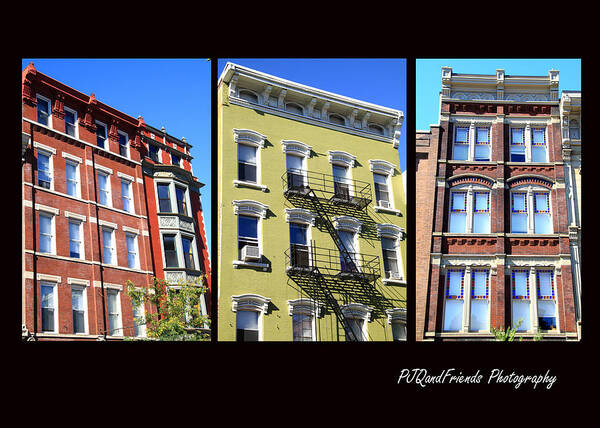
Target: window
{"x":153,"y":152}
{"x":170,"y":250}
{"x":44,"y":170}
{"x":247,"y":234}
{"x":376,"y":129}
{"x":480,"y":306}
{"x":139,"y":320}
{"x":175,"y":160}
{"x":356,"y":326}
{"x":180,"y":195}
{"x":126,"y":195}
{"x":248,"y":96}
{"x":46,"y":229}
{"x":114,"y":313}
{"x":75,"y":239}
{"x":482,"y":144}
{"x":72,"y":174}
{"x":398,"y":330}
{"x":528,"y":145}
{"x":247,"y":163}
{"x":337,"y":119}
{"x":294,"y":108}
{"x":70,"y":122}
{"x":123,"y":144}
{"x":302,"y":326}
{"x":188,"y":252}
{"x":164,"y":198}
{"x":133,"y":260}
{"x":521,"y":307}
{"x":78,"y":305}
{"x":247,"y":329}
{"x":48,"y":307}
{"x":104,"y":197}
{"x":453,"y":301}
{"x":43,"y":110}
{"x":108,"y":246}
{"x":101,"y":135}
{"x":461,"y":143}
{"x":574,"y":129}
{"x":546,"y":300}
{"x":469,"y":211}
{"x":520,"y":213}
{"x":349,"y":262}
{"x":295,"y":172}
{"x":382,"y":190}
{"x":341,"y":182}
{"x":472,"y":143}
{"x":299,"y":245}
{"x":390,"y":258}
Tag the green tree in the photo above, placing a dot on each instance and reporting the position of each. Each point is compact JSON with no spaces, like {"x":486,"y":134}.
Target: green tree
{"x":178,"y":316}
{"x":508,"y":335}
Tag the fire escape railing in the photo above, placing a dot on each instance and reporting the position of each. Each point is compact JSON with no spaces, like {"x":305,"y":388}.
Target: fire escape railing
{"x":316,"y":262}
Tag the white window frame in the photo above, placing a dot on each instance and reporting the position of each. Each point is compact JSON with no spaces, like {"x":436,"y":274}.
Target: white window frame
{"x":49,"y":152}
{"x":553,"y":274}
{"x":253,"y":303}
{"x":574,"y":126}
{"x":472,"y":298}
{"x":173,"y":196}
{"x":76,"y":127}
{"x":106,"y":140}
{"x":358,"y":311}
{"x":292,"y":217}
{"x":531,"y":298}
{"x":350,"y":225}
{"x":54,"y":286}
{"x":388,"y":184}
{"x":136,"y":249}
{"x":49,"y":101}
{"x":130,"y":197}
{"x":185,"y":197}
{"x":119,"y":327}
{"x":178,"y":249}
{"x":127,"y":155}
{"x":192,"y":238}
{"x":391,"y":231}
{"x":108,"y":185}
{"x":470,"y":190}
{"x":530,"y":192}
{"x":158,"y":152}
{"x":254,"y":139}
{"x":397,"y":316}
{"x":81,"y":237}
{"x":52,"y":217}
{"x":309,"y":307}
{"x":172,"y":153}
{"x":142,"y":309}
{"x":83,"y":289}
{"x":255,"y":209}
{"x":458,"y":297}
{"x":528,"y":141}
{"x":73,"y":161}
{"x":112,"y":246}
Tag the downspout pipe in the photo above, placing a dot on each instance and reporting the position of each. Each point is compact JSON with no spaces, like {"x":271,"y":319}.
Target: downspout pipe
{"x":99,"y":247}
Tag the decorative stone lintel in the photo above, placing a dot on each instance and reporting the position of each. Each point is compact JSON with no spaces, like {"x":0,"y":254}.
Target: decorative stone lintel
{"x":347,"y":223}
{"x":248,"y":136}
{"x":299,"y":215}
{"x":343,"y":158}
{"x":396,"y":314}
{"x":296,"y":147}
{"x":357,"y":310}
{"x":388,"y":230}
{"x":250,"y":302}
{"x":253,"y":208}
{"x":381,"y":166}
{"x":304,"y":306}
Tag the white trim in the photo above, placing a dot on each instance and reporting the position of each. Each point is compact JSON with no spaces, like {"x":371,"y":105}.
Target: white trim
{"x":388,"y":230}
{"x":347,"y":223}
{"x":109,"y":285}
{"x":104,"y":169}
{"x":396,"y":314}
{"x":71,"y":157}
{"x":249,"y":207}
{"x":78,"y":281}
{"x":79,"y":217}
{"x":106,"y":139}
{"x":130,"y":230}
{"x":262,"y":187}
{"x":296,"y":147}
{"x":125,"y":176}
{"x":75,"y":125}
{"x":250,"y":302}
{"x":299,"y":215}
{"x":49,"y":101}
{"x":50,"y":278}
{"x":108,"y":224}
{"x":250,"y":137}
{"x":126,"y":144}
{"x":47,"y":209}
{"x":382,"y":167}
{"x":83,"y":288}
{"x":338,"y":157}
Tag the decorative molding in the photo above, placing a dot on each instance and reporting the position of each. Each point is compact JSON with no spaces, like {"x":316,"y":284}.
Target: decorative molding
{"x":44,"y":147}
{"x":343,"y":158}
{"x":130,"y":230}
{"x":249,"y":207}
{"x":79,"y":217}
{"x":71,"y":157}
{"x":304,"y":306}
{"x":381,"y":167}
{"x":104,"y":169}
{"x":396,"y":314}
{"x":238,"y":183}
{"x":125,"y":176}
{"x":298,"y":147}
{"x":45,"y":208}
{"x":78,"y":281}
{"x":388,"y":230}
{"x":248,"y":136}
{"x":347,"y":223}
{"x":299,"y":215}
{"x":357,"y":311}
{"x":250,"y":302}
{"x":49,"y":278}
{"x":464,"y":95}
{"x":108,"y":224}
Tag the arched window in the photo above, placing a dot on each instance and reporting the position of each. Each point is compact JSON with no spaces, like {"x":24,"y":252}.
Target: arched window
{"x":337,"y":119}
{"x":376,"y":129}
{"x":530,"y":210}
{"x":294,"y":108}
{"x":248,"y":95}
{"x":469,"y":209}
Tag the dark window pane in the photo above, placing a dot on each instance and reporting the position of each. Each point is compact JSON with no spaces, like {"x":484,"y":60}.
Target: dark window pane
{"x":246,"y":172}
{"x":188,"y":253}
{"x":78,"y":322}
{"x":170,"y":251}
{"x":164,"y":200}
{"x":180,"y":195}
{"x":516,"y":157}
{"x":47,"y":319}
{"x":248,"y":226}
{"x":247,"y":335}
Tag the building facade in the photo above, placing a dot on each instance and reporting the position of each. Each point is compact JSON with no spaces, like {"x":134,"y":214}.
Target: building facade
{"x":95,"y":214}
{"x":311,"y":214}
{"x":493,"y":242}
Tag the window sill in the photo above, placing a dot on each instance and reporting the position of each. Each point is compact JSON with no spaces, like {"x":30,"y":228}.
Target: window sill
{"x":238,"y":263}
{"x":238,"y":183}
{"x":378,"y":208}
{"x":399,"y":281}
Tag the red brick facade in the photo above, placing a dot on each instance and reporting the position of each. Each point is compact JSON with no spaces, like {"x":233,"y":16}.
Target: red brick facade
{"x":78,"y":146}
{"x":500,"y":250}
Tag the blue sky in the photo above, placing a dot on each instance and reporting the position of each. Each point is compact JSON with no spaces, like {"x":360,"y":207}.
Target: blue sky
{"x":174,"y":93}
{"x":429,"y":78}
{"x":378,"y":81}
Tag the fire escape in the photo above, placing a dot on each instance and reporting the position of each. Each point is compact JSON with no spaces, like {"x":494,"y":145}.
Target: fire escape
{"x":327,"y":275}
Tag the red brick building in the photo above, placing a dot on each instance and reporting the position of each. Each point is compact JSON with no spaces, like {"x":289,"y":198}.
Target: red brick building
{"x":106,"y":199}
{"x":492,"y":232}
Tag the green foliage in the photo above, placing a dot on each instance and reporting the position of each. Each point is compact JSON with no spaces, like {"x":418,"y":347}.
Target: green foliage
{"x":177,"y":315}
{"x":508,"y":335}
